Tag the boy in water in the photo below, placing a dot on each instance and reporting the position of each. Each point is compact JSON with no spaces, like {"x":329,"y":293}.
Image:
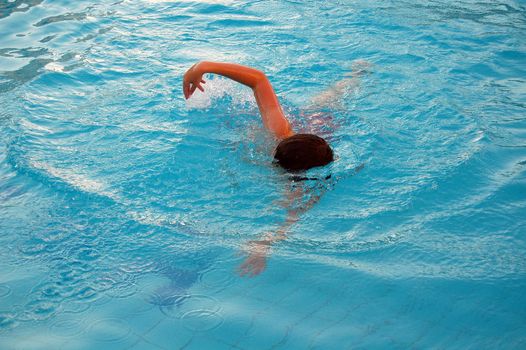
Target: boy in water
{"x":294,"y":152}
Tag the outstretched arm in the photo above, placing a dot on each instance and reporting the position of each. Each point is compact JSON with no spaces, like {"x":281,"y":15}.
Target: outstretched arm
{"x":259,"y":250}
{"x":273,"y":117}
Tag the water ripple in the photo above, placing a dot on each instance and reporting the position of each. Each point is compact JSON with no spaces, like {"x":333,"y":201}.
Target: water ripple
{"x":109,"y":330}
{"x":11,"y":6}
{"x":70,"y":16}
{"x":4,"y":291}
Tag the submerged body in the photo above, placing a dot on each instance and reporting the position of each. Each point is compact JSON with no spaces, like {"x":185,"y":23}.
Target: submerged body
{"x":294,"y":152}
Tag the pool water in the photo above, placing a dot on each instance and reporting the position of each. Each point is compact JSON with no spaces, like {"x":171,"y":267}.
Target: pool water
{"x":125,"y":211}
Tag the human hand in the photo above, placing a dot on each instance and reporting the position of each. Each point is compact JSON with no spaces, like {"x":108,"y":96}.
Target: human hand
{"x":256,"y":261}
{"x":193,"y":78}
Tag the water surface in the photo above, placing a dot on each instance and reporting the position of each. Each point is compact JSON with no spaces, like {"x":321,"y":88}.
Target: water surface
{"x":124,"y":209}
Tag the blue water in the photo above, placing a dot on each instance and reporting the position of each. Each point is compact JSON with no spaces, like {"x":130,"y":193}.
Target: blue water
{"x":125,"y":210}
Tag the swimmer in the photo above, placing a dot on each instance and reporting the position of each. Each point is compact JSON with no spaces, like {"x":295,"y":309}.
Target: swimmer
{"x":294,"y":152}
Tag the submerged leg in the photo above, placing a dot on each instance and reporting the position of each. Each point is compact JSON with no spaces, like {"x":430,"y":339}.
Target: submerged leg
{"x":332,"y":98}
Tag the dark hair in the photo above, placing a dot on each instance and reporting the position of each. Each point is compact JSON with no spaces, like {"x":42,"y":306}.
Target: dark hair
{"x":302,"y":152}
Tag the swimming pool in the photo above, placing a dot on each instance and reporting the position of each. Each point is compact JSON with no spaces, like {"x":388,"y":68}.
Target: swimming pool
{"x":124,"y":209}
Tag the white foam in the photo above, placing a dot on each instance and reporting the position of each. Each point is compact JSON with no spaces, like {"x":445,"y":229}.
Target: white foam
{"x":54,"y":67}
{"x":173,"y":127}
{"x":84,"y":183}
{"x":77,"y":180}
{"x":218,"y":88}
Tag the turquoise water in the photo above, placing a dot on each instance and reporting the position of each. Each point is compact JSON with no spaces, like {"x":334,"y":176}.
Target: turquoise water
{"x":125,"y":210}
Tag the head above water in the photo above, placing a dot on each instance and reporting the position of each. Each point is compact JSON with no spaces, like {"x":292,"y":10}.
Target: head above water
{"x":302,"y":152}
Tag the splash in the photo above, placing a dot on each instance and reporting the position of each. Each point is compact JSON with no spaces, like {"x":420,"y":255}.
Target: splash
{"x":219,"y":88}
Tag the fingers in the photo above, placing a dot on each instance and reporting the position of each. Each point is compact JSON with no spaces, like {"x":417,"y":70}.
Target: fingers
{"x":246,"y":268}
{"x":186,"y":91}
{"x":189,"y":88}
{"x":248,"y":271}
{"x":251,"y":267}
{"x":243,"y":269}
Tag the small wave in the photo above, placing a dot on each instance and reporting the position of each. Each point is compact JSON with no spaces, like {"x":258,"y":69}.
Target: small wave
{"x":71,"y":16}
{"x":23,"y":75}
{"x":76,"y":180}
{"x":25,"y":52}
{"x":7,"y":8}
{"x":239,"y":22}
{"x":173,"y":127}
{"x":148,"y":217}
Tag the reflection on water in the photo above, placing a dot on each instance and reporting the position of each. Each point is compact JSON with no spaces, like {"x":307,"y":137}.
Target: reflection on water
{"x":9,"y":7}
